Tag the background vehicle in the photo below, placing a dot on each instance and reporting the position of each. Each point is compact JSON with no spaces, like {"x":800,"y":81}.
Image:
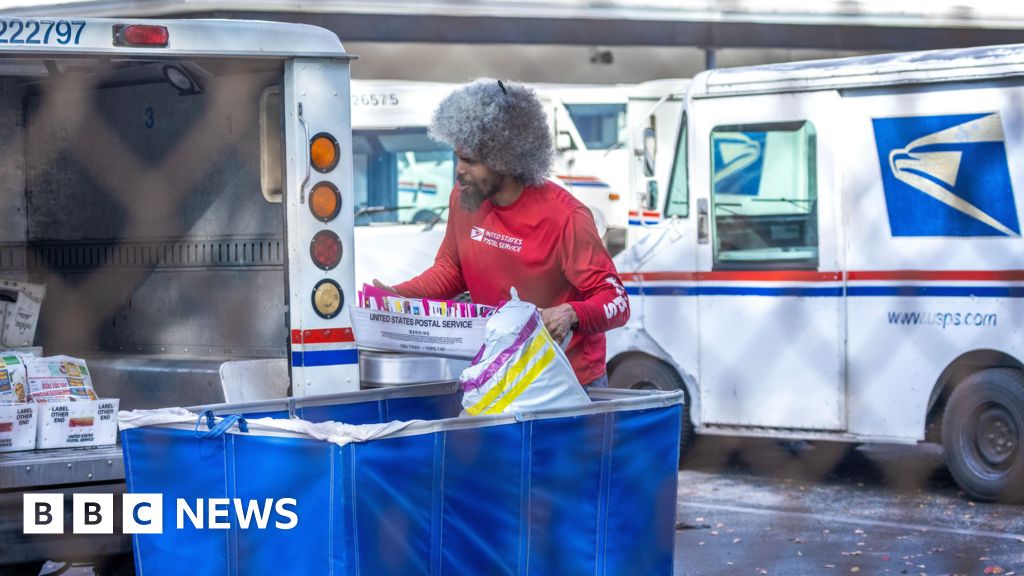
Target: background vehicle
{"x":588,"y":124}
{"x":180,"y":187}
{"x":654,"y":112}
{"x":403,"y":179}
{"x":841,"y":259}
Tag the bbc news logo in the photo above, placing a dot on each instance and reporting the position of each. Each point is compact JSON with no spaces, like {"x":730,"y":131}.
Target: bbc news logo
{"x":144,"y":513}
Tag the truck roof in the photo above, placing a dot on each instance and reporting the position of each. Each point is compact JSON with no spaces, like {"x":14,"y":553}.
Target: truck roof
{"x":655,"y":90}
{"x":234,"y":38}
{"x":988,"y":62}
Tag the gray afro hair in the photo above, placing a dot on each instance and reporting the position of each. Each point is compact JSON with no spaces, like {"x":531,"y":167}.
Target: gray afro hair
{"x":506,"y":130}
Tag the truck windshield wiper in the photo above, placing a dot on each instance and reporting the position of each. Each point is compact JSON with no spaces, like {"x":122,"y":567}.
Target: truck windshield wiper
{"x":379,"y":209}
{"x":798,"y":202}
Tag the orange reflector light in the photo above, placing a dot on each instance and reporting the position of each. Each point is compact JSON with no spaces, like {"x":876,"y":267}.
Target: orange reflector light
{"x":613,"y":196}
{"x":323,"y":152}
{"x":327,"y":298}
{"x":325,"y":201}
{"x":141,"y":35}
{"x":325,"y":249}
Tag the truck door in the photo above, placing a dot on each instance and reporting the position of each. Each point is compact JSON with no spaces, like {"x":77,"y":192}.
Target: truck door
{"x":771,"y":286}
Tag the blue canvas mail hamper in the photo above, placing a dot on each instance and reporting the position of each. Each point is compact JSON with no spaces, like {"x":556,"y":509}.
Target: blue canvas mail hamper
{"x":589,"y":490}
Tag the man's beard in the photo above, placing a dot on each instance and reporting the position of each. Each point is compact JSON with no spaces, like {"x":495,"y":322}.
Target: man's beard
{"x":471,"y":199}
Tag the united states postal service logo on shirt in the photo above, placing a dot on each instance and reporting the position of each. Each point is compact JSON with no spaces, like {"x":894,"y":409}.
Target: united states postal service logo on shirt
{"x":946,"y":175}
{"x":496,"y":240}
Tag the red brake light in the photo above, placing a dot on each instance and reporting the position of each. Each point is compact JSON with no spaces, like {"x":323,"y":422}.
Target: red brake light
{"x":141,"y":35}
{"x":325,"y":249}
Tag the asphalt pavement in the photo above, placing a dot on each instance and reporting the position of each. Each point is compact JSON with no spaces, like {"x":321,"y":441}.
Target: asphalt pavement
{"x":755,"y":507}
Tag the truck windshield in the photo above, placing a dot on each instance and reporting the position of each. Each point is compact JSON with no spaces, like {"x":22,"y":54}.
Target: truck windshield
{"x":678,"y":203}
{"x":401,"y":177}
{"x":598,"y":124}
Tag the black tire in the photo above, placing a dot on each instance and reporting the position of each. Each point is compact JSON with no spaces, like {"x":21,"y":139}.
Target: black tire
{"x":982,"y":433}
{"x":645,"y":373}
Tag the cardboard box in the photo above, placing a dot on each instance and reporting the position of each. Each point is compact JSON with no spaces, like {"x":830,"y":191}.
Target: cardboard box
{"x":429,"y":335}
{"x":20,"y":303}
{"x":81,"y":423}
{"x":18,"y":426}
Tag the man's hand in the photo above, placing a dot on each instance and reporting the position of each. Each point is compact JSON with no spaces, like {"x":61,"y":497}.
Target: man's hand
{"x":559,"y":321}
{"x":383,"y":286}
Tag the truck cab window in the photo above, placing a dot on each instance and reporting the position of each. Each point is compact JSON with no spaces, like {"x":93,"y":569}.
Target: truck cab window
{"x":764,"y":194}
{"x":678,"y":202}
{"x":401,"y":177}
{"x":598,"y":124}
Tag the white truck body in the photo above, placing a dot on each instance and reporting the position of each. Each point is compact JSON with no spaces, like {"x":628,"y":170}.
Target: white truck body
{"x":158,"y":179}
{"x":653,"y":116}
{"x":589,"y":128}
{"x":852,"y":257}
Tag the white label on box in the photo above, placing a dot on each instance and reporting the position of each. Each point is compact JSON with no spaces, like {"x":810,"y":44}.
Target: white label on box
{"x":81,"y":423}
{"x":432,"y":335}
{"x":17,"y":427}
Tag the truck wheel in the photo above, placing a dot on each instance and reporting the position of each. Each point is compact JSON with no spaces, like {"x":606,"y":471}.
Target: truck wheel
{"x":982,"y":432}
{"x":646,"y":373}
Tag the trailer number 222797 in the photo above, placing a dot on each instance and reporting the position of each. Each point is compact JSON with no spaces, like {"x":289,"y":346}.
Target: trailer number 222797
{"x":64,"y":32}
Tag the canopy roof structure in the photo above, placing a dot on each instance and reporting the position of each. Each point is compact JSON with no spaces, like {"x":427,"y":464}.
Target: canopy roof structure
{"x":848,"y":25}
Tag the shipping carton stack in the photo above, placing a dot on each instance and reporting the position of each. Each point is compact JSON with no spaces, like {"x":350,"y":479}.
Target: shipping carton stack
{"x":45,"y":402}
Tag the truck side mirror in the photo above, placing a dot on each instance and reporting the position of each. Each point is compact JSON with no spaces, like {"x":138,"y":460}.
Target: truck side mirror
{"x":564,"y":142}
{"x":652,"y":194}
{"x":649,"y":151}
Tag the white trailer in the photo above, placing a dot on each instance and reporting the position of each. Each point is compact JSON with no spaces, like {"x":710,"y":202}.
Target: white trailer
{"x":840,"y":259}
{"x":184,"y":191}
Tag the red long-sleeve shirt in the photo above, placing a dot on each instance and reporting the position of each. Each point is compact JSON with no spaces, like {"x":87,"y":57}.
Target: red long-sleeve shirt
{"x":545,"y":245}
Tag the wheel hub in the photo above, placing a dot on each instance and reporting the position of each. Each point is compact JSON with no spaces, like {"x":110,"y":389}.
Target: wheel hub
{"x":996,"y":436}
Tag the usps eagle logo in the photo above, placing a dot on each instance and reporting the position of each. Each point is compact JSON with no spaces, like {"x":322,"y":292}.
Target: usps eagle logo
{"x":738,"y":161}
{"x":477,"y":234}
{"x":946,"y":175}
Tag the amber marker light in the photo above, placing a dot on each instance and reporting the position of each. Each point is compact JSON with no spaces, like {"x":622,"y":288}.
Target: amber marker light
{"x":323,"y":152}
{"x":325,"y":201}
